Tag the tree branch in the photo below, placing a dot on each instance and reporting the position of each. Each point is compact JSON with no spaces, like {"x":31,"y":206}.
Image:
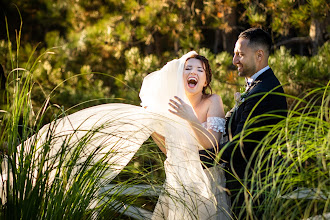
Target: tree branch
{"x":293,"y":40}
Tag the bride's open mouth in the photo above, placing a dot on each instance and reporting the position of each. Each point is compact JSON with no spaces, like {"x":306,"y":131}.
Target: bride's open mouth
{"x":192,"y":82}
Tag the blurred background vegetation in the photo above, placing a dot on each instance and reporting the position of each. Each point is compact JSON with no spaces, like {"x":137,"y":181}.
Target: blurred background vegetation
{"x":81,"y":53}
{"x":102,"y":49}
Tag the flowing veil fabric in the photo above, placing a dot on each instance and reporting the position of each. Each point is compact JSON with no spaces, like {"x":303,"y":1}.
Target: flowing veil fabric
{"x":117,"y":131}
{"x":160,"y":86}
{"x":114,"y":131}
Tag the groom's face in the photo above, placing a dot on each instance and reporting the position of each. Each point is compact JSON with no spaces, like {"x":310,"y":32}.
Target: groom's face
{"x":244,"y":58}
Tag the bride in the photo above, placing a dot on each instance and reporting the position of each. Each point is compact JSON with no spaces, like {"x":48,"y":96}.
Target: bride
{"x":193,"y":122}
{"x":205,"y":115}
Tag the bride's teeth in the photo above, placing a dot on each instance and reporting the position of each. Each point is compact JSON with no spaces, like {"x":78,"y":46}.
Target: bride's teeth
{"x":192,"y":82}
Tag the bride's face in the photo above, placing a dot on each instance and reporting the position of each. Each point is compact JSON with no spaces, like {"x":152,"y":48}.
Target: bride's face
{"x":194,"y":76}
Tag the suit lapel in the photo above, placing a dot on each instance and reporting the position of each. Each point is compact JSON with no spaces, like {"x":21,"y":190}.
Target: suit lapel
{"x":236,"y":114}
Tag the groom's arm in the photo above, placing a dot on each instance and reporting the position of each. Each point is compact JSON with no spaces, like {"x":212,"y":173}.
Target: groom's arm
{"x":242,"y":149}
{"x":207,"y":157}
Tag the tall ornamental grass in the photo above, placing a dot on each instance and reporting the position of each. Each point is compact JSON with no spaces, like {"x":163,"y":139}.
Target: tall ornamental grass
{"x":27,"y":192}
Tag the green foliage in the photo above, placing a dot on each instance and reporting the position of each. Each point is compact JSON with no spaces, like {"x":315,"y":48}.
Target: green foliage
{"x":299,"y":17}
{"x":137,"y":68}
{"x":255,"y":18}
{"x":299,"y":72}
{"x":92,"y":42}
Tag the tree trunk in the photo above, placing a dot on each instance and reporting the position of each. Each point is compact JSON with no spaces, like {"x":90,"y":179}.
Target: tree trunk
{"x":229,"y":33}
{"x":216,"y":40}
{"x":315,"y":33}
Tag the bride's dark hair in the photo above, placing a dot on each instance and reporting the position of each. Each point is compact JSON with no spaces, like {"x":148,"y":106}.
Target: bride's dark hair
{"x":208,"y":72}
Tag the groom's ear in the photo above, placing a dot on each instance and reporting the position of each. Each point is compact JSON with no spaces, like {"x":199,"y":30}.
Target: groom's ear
{"x":260,"y":55}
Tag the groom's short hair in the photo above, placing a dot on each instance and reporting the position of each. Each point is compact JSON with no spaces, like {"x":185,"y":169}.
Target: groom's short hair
{"x":257,"y":36}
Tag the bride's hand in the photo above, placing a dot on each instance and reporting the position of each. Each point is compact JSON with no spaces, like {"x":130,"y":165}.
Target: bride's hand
{"x":182,"y":109}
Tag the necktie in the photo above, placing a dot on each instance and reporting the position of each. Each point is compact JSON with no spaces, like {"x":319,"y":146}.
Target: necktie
{"x":248,"y":85}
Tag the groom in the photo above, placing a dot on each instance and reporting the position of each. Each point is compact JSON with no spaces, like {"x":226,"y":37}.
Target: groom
{"x":251,"y":58}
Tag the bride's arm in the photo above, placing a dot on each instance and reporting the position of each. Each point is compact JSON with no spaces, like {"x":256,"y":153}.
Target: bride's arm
{"x":216,"y":110}
{"x":160,"y":141}
{"x":208,"y":138}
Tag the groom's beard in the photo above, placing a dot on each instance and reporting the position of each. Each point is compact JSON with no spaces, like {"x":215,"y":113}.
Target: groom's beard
{"x":248,"y":70}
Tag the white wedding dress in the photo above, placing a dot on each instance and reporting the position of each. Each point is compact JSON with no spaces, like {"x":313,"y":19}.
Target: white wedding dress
{"x":202,"y":194}
{"x":116,"y":132}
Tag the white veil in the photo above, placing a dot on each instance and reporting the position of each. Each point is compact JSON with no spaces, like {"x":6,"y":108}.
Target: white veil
{"x":160,"y":86}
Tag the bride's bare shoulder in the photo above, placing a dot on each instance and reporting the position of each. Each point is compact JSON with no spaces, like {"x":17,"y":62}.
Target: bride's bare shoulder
{"x":215,"y":106}
{"x":215,"y":99}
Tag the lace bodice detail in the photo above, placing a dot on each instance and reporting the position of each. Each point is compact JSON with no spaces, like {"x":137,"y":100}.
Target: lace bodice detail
{"x":216,"y":124}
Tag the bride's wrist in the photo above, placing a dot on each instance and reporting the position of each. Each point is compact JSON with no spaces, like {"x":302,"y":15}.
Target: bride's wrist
{"x":194,"y":122}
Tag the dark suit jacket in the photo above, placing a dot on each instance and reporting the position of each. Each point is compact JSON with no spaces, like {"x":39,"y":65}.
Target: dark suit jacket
{"x":238,"y":156}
